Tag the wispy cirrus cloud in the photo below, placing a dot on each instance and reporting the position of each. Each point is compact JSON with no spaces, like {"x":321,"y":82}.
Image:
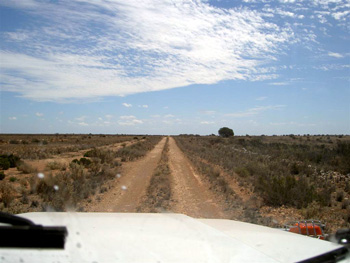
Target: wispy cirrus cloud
{"x":335,"y":55}
{"x":144,"y":46}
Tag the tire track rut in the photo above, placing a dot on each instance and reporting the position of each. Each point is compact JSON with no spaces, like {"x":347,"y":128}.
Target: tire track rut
{"x":191,"y":195}
{"x":127,"y":191}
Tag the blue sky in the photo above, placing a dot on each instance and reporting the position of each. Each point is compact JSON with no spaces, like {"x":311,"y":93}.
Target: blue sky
{"x":171,"y":67}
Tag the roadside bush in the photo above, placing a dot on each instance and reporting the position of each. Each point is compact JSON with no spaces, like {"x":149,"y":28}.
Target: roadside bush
{"x":285,"y":190}
{"x":2,"y":175}
{"x":4,"y":163}
{"x":55,"y":166}
{"x":8,"y":161}
{"x":26,"y":168}
{"x":7,"y":194}
{"x":103,"y":155}
{"x":312,"y":211}
{"x":138,"y":149}
{"x":84,"y":161}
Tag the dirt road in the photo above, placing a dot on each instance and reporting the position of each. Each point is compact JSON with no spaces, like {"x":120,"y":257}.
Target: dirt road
{"x":127,"y":191}
{"x":191,"y":195}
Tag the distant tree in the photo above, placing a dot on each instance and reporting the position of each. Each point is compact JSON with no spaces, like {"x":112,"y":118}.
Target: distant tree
{"x":226,"y":132}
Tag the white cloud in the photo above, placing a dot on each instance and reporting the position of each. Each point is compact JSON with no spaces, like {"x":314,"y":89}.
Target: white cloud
{"x":207,"y":122}
{"x":83,"y":124}
{"x":254,"y":111}
{"x":279,"y":83}
{"x":155,"y":45}
{"x":129,"y":121}
{"x":12,"y":118}
{"x":82,"y":118}
{"x":169,"y":116}
{"x":335,"y":55}
{"x":261,"y":98}
{"x":143,"y":106}
{"x":39,"y":114}
{"x":109,"y":116}
{"x":129,"y":117}
{"x":127,"y":105}
{"x":17,"y":36}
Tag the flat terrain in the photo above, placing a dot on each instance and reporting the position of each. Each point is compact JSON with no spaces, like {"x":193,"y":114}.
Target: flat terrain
{"x":203,"y":177}
{"x":191,"y":194}
{"x":127,"y":191}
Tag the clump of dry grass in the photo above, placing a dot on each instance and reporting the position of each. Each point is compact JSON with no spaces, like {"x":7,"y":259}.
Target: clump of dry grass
{"x":138,"y":149}
{"x":26,"y":168}
{"x":67,"y":188}
{"x":54,"y":165}
{"x":7,"y":194}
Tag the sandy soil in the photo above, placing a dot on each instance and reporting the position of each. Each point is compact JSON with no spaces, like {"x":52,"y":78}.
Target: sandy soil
{"x":127,"y":191}
{"x":191,"y":195}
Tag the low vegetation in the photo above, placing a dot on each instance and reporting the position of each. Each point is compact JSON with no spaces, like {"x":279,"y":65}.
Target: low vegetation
{"x":139,"y":149}
{"x":61,"y":184}
{"x":158,"y":194}
{"x":294,"y":171}
{"x":45,"y":146}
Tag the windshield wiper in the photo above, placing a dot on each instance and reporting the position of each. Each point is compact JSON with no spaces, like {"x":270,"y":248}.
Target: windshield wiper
{"x":23,"y":233}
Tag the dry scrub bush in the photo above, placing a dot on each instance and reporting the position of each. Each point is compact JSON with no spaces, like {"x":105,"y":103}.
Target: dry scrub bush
{"x":38,"y":149}
{"x":7,"y":194}
{"x":138,"y":149}
{"x":54,"y":165}
{"x":26,"y":168}
{"x":68,"y":188}
{"x":280,"y":172}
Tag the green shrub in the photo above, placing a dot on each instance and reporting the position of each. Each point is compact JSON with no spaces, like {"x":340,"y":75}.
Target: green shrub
{"x":13,"y":179}
{"x":91,"y":153}
{"x":2,"y":175}
{"x":4,"y":163}
{"x":13,"y":159}
{"x":84,"y":161}
{"x":225,"y":132}
{"x":8,"y":161}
